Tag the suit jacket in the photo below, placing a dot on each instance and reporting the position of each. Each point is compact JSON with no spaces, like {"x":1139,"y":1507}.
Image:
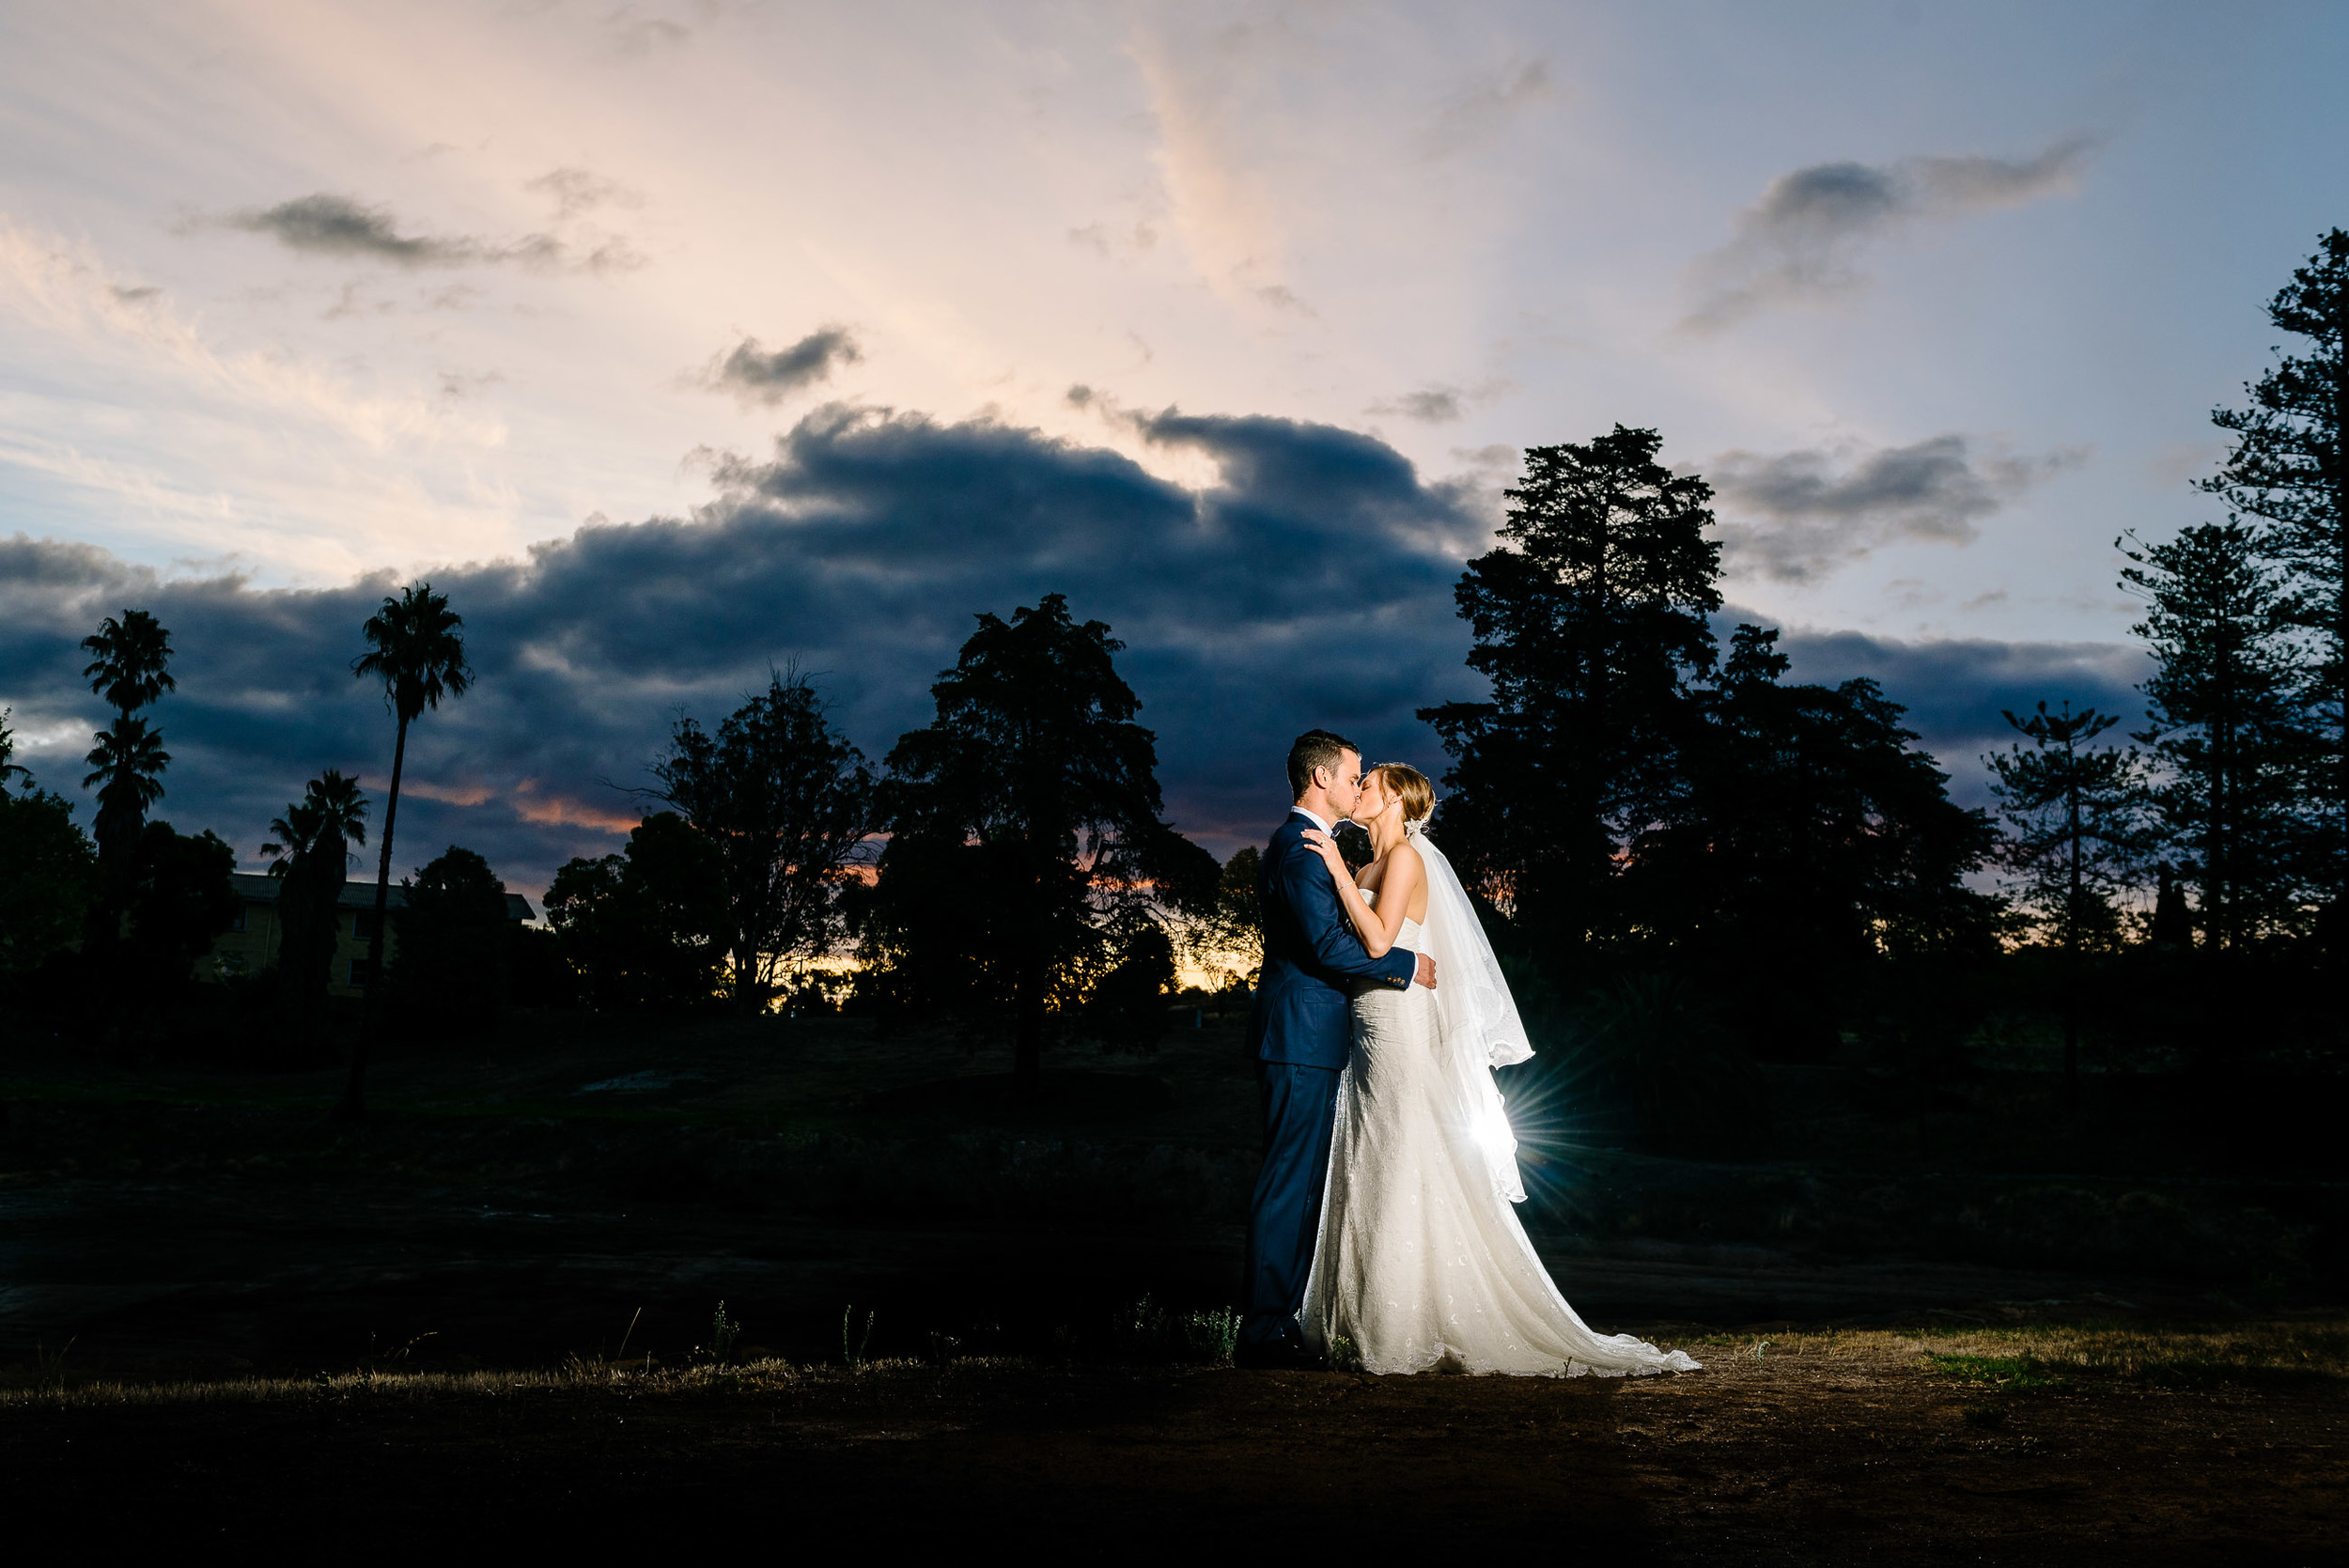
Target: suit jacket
{"x":1312,"y":958}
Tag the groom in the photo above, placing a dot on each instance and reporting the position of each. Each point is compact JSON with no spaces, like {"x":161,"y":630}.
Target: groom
{"x":1299,"y":1032}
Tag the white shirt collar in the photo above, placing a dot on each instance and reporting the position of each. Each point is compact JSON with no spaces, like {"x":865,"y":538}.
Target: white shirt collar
{"x":1311,"y":818}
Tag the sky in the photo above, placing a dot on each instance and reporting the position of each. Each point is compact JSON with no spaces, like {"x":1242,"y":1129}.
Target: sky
{"x":681,"y":342}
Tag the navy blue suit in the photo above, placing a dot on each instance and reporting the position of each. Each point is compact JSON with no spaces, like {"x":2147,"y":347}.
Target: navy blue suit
{"x":1300,"y":1032}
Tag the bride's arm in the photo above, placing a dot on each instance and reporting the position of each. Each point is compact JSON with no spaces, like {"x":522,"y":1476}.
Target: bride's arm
{"x":1375,"y":926}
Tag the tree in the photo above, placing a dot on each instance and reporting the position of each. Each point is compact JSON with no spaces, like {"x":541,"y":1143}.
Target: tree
{"x":9,"y":767}
{"x":311,"y":854}
{"x":643,"y":927}
{"x":417,"y":650}
{"x":1026,"y":841}
{"x":1589,"y":618}
{"x":449,"y":975}
{"x":2227,"y":721}
{"x":1806,"y":841}
{"x":126,"y":767}
{"x":2078,"y":836}
{"x":790,"y":805}
{"x":1227,"y":939}
{"x":49,"y":877}
{"x":2288,"y":472}
{"x":181,"y":896}
{"x":130,"y":670}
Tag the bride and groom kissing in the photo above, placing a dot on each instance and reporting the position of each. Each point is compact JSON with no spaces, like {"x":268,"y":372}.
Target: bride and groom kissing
{"x":1381,"y":1231}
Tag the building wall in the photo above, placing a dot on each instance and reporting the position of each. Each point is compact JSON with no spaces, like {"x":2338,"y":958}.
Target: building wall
{"x":255,"y":947}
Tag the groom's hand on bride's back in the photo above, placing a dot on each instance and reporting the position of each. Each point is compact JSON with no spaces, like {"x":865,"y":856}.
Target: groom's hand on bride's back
{"x":1426,"y":975}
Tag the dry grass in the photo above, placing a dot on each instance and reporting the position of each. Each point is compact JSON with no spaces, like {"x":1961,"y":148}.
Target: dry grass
{"x":35,"y":1389}
{"x":2084,"y":1357}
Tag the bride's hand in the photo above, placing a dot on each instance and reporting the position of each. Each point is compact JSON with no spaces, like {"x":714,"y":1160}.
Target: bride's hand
{"x":1326,"y":847}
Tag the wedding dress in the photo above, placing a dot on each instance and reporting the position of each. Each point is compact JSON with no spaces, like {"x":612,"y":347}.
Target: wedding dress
{"x":1421,"y":1262}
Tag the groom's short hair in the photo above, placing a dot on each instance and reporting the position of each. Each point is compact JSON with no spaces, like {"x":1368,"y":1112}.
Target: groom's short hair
{"x":1312,"y":749}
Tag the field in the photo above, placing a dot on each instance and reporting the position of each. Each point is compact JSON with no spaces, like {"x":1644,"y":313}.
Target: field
{"x":491,"y":1313}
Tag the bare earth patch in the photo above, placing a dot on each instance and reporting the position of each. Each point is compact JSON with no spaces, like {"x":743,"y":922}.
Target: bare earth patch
{"x":2072,"y":1444}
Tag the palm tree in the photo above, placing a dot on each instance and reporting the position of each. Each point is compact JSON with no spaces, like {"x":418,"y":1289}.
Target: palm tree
{"x":126,"y":766}
{"x":129,"y":670}
{"x":418,"y":653}
{"x":312,"y":850}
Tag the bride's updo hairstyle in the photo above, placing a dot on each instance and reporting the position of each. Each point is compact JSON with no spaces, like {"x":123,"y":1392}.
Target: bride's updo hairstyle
{"x":1409,"y":785}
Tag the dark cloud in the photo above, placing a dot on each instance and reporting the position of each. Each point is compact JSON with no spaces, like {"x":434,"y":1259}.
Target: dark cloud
{"x":1310,"y":584}
{"x":329,"y":224}
{"x":1795,"y":514}
{"x":759,"y":375}
{"x":323,"y":223}
{"x":1804,"y":237}
{"x":1956,"y":689}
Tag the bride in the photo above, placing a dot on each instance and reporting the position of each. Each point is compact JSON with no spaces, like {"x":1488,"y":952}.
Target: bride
{"x":1421,"y":1262}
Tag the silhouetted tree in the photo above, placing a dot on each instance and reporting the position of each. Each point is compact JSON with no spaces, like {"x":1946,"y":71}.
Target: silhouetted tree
{"x":181,"y":897}
{"x":2288,"y":472}
{"x":1228,"y":937}
{"x":49,"y":877}
{"x":2077,"y":832}
{"x":643,"y":927}
{"x":9,"y":767}
{"x":1026,"y":836}
{"x":311,"y":856}
{"x":1807,"y":840}
{"x":450,"y":973}
{"x":1126,"y":1007}
{"x":1589,"y":619}
{"x":789,"y":806}
{"x":416,"y":648}
{"x":2227,"y":721}
{"x":130,"y":670}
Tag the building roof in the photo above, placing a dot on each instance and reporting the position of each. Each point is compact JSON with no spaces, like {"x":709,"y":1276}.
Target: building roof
{"x":261,"y":888}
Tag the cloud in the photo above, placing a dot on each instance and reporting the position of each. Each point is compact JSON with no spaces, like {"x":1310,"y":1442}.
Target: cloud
{"x":758,"y":375}
{"x":1797,"y":515}
{"x":1485,"y":104}
{"x":1439,"y":403}
{"x":329,"y":224}
{"x":324,"y":223}
{"x":1956,"y":689}
{"x":1804,"y":239}
{"x":1308,"y":582}
{"x":580,"y":190}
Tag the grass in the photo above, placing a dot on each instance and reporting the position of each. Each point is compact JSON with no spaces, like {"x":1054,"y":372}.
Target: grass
{"x":635,"y":1377}
{"x":2120,"y":1354}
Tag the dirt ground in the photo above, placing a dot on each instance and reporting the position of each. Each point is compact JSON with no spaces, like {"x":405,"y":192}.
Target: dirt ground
{"x":1827,"y":1448}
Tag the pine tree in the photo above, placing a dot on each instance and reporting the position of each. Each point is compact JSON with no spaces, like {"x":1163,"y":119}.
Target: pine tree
{"x":2288,"y":472}
{"x":2077,"y":834}
{"x":1589,"y":620}
{"x":2227,"y":721}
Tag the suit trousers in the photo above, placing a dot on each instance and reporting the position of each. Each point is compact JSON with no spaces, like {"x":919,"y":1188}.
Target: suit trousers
{"x":1285,"y":1212}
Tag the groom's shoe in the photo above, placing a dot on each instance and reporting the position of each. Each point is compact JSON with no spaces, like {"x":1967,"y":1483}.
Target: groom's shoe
{"x":1281,"y":1356}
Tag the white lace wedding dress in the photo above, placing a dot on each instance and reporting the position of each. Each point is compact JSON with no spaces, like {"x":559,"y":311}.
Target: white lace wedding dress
{"x":1421,"y":1264}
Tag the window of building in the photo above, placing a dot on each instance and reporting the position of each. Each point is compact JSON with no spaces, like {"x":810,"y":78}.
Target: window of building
{"x":362,"y":925}
{"x":244,"y":911}
{"x":361,"y":972}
